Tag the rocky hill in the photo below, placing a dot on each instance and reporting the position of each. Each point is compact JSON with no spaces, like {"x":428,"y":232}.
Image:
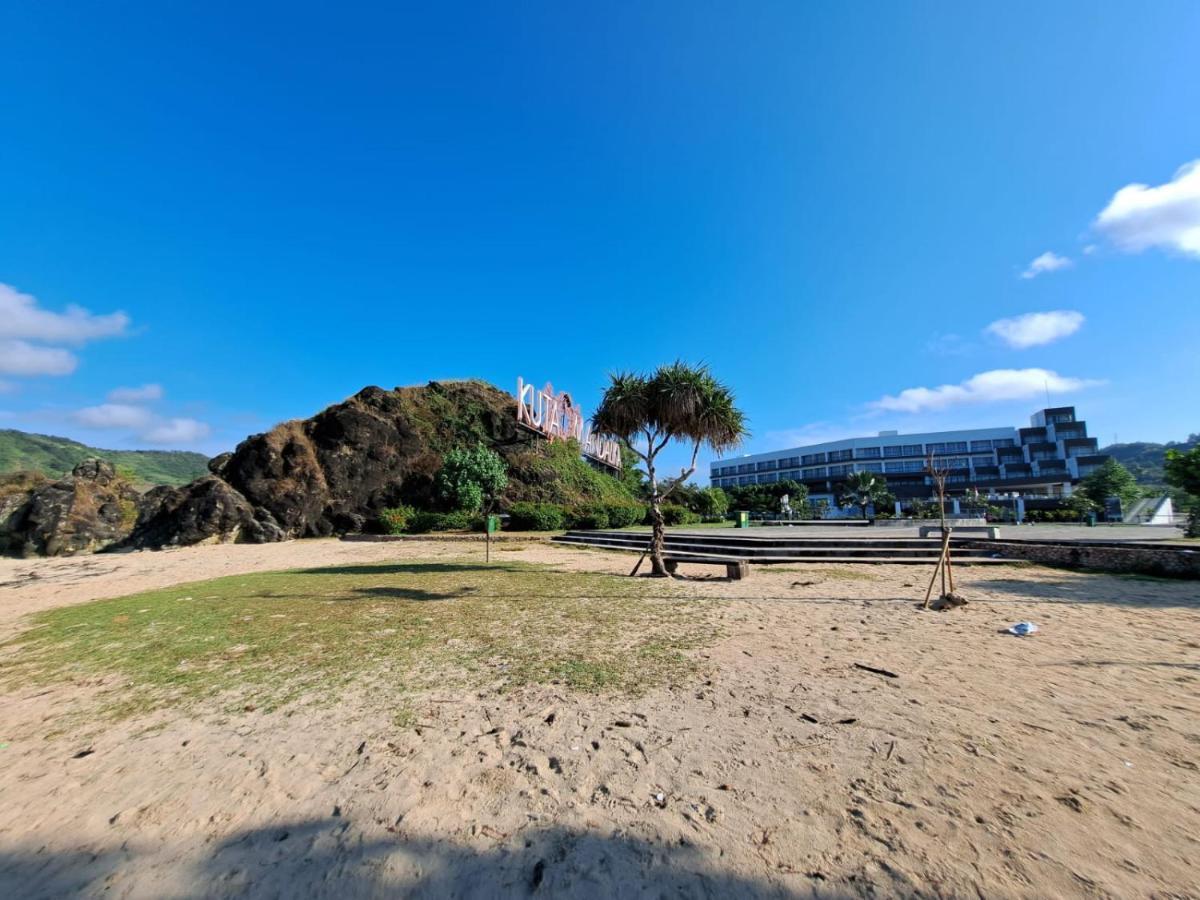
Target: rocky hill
{"x":330,"y":474}
{"x":55,"y":457}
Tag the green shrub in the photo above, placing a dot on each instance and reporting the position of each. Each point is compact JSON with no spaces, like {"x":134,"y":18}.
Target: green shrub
{"x":423,"y":521}
{"x":395,"y":520}
{"x":622,"y":515}
{"x":674,"y":514}
{"x":471,"y":477}
{"x":536,"y":517}
{"x":591,"y":516}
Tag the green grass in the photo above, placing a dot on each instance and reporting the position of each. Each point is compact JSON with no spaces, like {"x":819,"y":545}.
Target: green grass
{"x":265,"y":640}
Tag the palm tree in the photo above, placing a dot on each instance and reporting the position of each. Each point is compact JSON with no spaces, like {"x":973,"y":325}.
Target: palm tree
{"x":861,"y":489}
{"x":678,"y":402}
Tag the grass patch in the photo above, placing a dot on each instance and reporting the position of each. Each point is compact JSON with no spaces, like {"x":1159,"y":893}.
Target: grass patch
{"x":268,"y":639}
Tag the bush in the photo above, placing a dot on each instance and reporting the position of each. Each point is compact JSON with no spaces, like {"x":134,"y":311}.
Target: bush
{"x":622,"y":515}
{"x":674,"y":514}
{"x":395,"y":520}
{"x":423,"y":521}
{"x":536,"y":517}
{"x":592,"y":516}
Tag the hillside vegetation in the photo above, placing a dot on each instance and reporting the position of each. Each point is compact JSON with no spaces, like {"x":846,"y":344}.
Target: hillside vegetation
{"x":1144,"y":460}
{"x":57,"y":456}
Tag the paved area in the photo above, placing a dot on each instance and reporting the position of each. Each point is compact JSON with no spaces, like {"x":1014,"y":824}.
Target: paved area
{"x":1149,"y":533}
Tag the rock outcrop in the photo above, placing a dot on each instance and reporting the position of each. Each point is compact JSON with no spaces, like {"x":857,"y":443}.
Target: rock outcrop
{"x":330,"y":474}
{"x":89,"y":510}
{"x":206,"y":511}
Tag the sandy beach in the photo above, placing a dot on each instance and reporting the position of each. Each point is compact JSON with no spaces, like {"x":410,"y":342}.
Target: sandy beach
{"x":1065,"y":764}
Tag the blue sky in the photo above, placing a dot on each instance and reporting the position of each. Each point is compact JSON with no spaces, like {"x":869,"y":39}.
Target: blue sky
{"x":263,"y":208}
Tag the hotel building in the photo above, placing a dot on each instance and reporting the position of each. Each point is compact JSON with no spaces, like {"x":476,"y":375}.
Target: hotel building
{"x":1043,"y":460}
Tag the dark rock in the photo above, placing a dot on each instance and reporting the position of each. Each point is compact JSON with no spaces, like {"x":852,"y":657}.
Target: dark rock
{"x":335,"y":472}
{"x":206,"y":511}
{"x":89,"y":510}
{"x":217,"y":464}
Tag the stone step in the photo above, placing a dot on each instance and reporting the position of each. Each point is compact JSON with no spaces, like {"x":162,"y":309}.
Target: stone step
{"x":772,"y":555}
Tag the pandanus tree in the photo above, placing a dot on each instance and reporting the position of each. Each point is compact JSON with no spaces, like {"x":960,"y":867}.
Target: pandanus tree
{"x":678,"y":402}
{"x":861,"y":489}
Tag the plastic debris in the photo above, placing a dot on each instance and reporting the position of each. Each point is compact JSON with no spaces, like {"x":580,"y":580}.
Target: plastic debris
{"x":1021,"y":629}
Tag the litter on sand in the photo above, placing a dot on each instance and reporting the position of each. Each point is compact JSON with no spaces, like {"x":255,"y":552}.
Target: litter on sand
{"x":1020,"y":629}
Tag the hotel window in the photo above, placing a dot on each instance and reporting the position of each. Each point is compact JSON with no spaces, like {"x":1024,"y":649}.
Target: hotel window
{"x":839,"y":455}
{"x":976,"y":446}
{"x":819,"y":472}
{"x":912,"y":449}
{"x":812,"y":458}
{"x":867,"y":453}
{"x":834,"y":471}
{"x":870,"y":467}
{"x":1003,"y":442}
{"x":895,"y":450}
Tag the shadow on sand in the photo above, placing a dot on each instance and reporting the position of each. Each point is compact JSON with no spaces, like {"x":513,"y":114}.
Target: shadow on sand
{"x":330,"y":858}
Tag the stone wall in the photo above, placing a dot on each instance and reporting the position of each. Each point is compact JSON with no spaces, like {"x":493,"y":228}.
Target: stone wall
{"x":1143,"y":559}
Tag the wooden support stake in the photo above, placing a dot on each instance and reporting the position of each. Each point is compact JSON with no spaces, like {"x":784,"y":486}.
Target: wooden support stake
{"x":949,"y":564}
{"x":933,"y":579}
{"x":642,"y":558}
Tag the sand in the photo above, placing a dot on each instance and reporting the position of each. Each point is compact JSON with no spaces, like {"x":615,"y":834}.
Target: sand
{"x":1060,"y":765}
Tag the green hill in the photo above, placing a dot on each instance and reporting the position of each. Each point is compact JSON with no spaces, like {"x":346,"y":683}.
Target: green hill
{"x":1145,"y":460}
{"x":57,"y":456}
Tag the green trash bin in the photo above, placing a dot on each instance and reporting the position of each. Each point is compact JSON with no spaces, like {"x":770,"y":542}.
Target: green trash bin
{"x":493,"y":524}
{"x":1091,"y":520}
{"x":741,"y":519}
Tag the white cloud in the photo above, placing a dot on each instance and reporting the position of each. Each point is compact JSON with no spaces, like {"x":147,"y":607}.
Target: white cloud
{"x":23,"y":358}
{"x":1036,"y":329}
{"x":113,"y":415}
{"x":21,"y":317}
{"x":1167,"y":216}
{"x":995,"y":386}
{"x":177,"y":431}
{"x":143,"y":394}
{"x":1047,"y":262}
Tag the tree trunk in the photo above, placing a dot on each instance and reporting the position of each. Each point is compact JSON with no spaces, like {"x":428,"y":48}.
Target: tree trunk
{"x":658,"y":525}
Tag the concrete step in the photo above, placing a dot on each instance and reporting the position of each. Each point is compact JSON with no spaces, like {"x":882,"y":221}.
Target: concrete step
{"x":733,"y":540}
{"x":682,"y":550}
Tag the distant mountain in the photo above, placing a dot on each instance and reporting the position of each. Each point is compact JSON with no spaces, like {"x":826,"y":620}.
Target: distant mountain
{"x":1145,"y":460}
{"x":57,"y":456}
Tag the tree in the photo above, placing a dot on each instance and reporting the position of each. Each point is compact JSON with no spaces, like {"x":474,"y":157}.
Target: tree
{"x":1182,"y":470}
{"x":711,"y":502}
{"x":1079,"y":505}
{"x":471,"y":479}
{"x":861,"y":489}
{"x":1110,"y":480}
{"x":765,"y":497}
{"x":677,"y":402}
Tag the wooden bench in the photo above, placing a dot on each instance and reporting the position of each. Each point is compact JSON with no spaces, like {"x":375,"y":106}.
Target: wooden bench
{"x":735,"y":569}
{"x":991,"y":531}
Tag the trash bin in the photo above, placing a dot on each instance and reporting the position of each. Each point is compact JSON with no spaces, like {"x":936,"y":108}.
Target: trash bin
{"x":493,"y":524}
{"x":1091,"y":520}
{"x":741,"y":519}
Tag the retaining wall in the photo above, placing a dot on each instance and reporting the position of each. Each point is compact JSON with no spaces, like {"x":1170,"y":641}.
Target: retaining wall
{"x":1143,"y":559}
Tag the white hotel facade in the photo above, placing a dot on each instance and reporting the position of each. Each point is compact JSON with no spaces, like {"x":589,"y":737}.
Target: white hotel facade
{"x":1040,"y":461}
